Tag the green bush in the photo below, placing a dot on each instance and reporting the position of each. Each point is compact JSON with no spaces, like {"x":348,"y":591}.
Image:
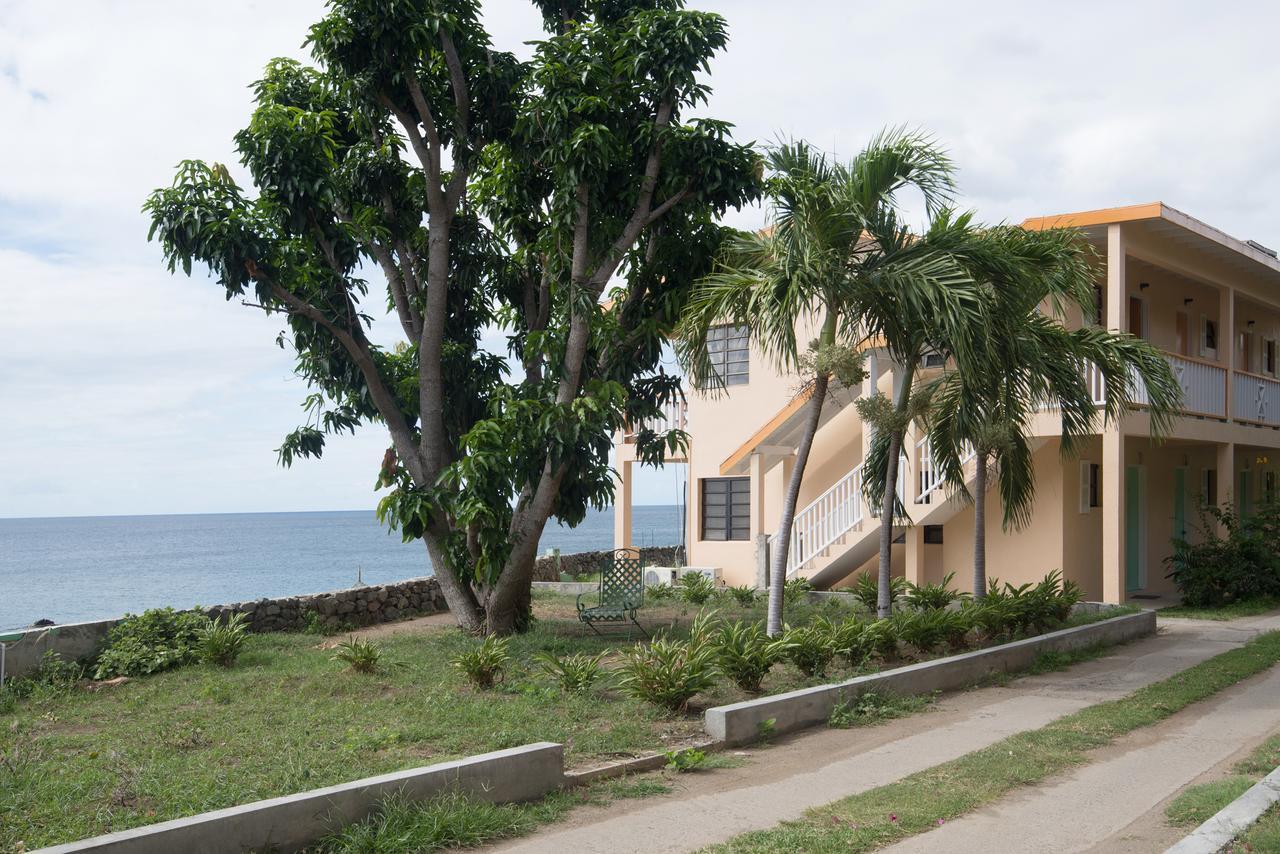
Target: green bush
{"x":360,"y":655}
{"x":851,"y":640}
{"x":668,"y":672}
{"x":1218,"y":570}
{"x":932,"y":597}
{"x":794,"y":591}
{"x":867,"y":590}
{"x":53,"y":675}
{"x":683,"y":761}
{"x":659,"y":592}
{"x":485,"y":664}
{"x":928,"y":630}
{"x":745,"y":654}
{"x":811,"y":647}
{"x":576,"y":673}
{"x":155,"y":640}
{"x":744,"y":595}
{"x":880,"y":637}
{"x":220,"y":643}
{"x":696,"y":588}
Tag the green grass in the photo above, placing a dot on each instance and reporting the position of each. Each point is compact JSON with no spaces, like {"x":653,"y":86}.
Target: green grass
{"x":922,"y":801}
{"x":455,"y":821}
{"x":871,"y":708}
{"x":288,"y":718}
{"x":1233,"y":611}
{"x":1197,"y":803}
{"x":1263,"y":836}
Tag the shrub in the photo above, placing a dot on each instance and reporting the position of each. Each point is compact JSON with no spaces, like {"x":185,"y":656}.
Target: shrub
{"x":992,"y":616}
{"x":686,"y":760}
{"x":1218,"y":570}
{"x":221,"y":642}
{"x":932,"y":597}
{"x":794,"y":591}
{"x":53,"y":674}
{"x":870,"y":708}
{"x":696,"y":588}
{"x":658,"y":592}
{"x":149,"y":642}
{"x":745,"y":654}
{"x":811,"y":647}
{"x":867,"y":590}
{"x":485,"y":664}
{"x":927,"y":630}
{"x":744,"y":595}
{"x":360,"y":655}
{"x":668,"y":672}
{"x":576,"y":673}
{"x":881,"y":638}
{"x":851,"y":640}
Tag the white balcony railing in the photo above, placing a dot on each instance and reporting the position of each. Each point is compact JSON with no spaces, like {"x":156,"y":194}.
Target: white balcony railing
{"x":1255,"y":398}
{"x":1203,"y":384}
{"x":674,"y":416}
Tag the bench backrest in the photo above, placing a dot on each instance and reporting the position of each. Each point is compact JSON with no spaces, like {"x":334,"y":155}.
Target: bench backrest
{"x":622,"y":579}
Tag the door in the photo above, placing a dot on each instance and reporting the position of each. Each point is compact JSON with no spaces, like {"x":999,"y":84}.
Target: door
{"x":1246,"y":494}
{"x":1137,"y":326}
{"x":1243,"y":361}
{"x":1183,"y":332}
{"x":1180,"y":504}
{"x":1135,"y":528}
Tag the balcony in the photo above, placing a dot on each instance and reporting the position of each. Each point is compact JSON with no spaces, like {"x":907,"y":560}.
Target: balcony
{"x":1203,"y":384}
{"x":674,"y":416}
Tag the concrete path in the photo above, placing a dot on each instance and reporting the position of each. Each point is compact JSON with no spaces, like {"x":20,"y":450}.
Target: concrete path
{"x":780,"y":782}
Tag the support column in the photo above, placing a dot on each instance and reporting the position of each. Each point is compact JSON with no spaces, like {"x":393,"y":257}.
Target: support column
{"x":1227,"y":339}
{"x":1113,"y":462}
{"x":1226,"y":474}
{"x":914,"y":554}
{"x":622,"y":506}
{"x":757,"y":495}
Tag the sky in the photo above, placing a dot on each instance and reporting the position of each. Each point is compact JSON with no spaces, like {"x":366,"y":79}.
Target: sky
{"x":124,"y":389}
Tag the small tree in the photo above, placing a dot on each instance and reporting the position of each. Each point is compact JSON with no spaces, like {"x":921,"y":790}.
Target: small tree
{"x":525,"y":189}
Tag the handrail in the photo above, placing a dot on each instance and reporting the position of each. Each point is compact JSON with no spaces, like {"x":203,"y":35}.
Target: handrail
{"x":931,"y":479}
{"x":826,"y":519}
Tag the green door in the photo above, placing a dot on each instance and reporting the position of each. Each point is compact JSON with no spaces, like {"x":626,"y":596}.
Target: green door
{"x":1133,"y":528}
{"x":1246,"y":494}
{"x":1179,"y":504}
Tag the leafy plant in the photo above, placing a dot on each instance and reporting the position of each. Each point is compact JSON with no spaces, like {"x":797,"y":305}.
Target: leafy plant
{"x":852,"y":640}
{"x":871,"y":707}
{"x":1243,"y":564}
{"x":767,"y":729}
{"x":880,"y":637}
{"x":660,"y":591}
{"x":795,"y":590}
{"x":927,"y":630}
{"x":932,"y":597}
{"x":867,"y":590}
{"x":222,"y":642}
{"x":668,"y":672}
{"x":811,"y":647}
{"x":696,"y":588}
{"x":576,"y":673}
{"x":689,"y":759}
{"x":484,"y":664}
{"x":146,"y":643}
{"x":316,"y":624}
{"x":362,"y":656}
{"x":744,"y":595}
{"x":745,"y":654}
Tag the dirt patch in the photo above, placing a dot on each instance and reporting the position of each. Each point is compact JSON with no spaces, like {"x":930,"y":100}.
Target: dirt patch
{"x":418,"y":625}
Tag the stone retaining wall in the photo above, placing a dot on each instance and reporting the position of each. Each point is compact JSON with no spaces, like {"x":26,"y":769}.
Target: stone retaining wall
{"x":355,"y":606}
{"x":544,"y":568}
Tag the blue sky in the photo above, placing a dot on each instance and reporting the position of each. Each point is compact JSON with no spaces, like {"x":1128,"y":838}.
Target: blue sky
{"x":126,"y":390}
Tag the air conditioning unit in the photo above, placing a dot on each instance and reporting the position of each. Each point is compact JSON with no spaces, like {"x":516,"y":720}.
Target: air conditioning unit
{"x":659,"y":575}
{"x":711,"y":572}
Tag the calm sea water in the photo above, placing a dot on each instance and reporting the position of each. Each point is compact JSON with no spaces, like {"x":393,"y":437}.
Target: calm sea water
{"x":88,"y":568}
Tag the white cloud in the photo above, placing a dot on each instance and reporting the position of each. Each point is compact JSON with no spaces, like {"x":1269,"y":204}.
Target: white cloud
{"x":123,"y":389}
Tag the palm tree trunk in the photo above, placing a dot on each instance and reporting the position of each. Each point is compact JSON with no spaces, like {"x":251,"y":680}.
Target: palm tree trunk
{"x":782,"y":542}
{"x":980,"y":525}
{"x":884,"y":603}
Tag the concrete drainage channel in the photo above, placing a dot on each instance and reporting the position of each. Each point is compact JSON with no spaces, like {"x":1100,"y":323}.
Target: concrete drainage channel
{"x":530,"y":772}
{"x":1232,"y":820}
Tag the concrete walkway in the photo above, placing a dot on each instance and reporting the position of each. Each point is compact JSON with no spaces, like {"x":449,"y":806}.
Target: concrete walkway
{"x":780,"y":782}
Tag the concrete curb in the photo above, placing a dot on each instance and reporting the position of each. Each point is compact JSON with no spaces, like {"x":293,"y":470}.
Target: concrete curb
{"x":1233,"y":819}
{"x":740,"y":723}
{"x":291,"y":822}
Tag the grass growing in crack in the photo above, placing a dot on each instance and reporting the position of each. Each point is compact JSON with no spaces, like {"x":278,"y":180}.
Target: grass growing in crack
{"x":922,"y":801}
{"x":871,"y":708}
{"x":1233,"y":611}
{"x":1197,"y":803}
{"x":453,"y":820}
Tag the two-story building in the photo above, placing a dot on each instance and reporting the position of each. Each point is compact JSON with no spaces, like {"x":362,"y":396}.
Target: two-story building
{"x":1106,"y":518}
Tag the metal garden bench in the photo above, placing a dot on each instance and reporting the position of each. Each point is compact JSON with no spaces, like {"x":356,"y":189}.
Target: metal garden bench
{"x":621,"y":593}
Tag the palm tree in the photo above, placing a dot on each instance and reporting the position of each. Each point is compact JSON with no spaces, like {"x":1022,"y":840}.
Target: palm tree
{"x":832,"y":231}
{"x":1030,"y":362}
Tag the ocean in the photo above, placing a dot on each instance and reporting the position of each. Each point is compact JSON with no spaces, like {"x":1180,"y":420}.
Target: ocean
{"x":96,"y":567}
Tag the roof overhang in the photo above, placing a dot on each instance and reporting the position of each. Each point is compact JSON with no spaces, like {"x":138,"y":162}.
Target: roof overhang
{"x":780,"y":436}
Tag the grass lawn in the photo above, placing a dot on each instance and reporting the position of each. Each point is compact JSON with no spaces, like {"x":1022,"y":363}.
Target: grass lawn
{"x":921,"y":801}
{"x":1263,"y":836}
{"x":1243,"y":608}
{"x":1197,"y":803}
{"x":287,"y":718}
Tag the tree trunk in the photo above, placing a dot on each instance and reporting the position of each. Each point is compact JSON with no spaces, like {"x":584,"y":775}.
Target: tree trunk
{"x":884,"y":604}
{"x":980,"y":525}
{"x":458,"y":596}
{"x":782,"y":543}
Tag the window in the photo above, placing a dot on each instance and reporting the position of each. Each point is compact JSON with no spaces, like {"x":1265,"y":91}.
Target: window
{"x":1208,"y":338}
{"x":1209,"y":488}
{"x":932,"y":359}
{"x":1090,"y":487}
{"x":729,"y":349}
{"x":1097,"y":305}
{"x":933,"y":535}
{"x":1269,"y":357}
{"x":726,"y":508}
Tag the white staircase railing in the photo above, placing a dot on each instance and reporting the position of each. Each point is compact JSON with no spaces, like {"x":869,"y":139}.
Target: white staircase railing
{"x":931,"y":479}
{"x":826,"y":519}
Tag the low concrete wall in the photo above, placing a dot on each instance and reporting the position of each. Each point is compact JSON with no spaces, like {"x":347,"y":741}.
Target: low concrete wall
{"x":72,"y":641}
{"x":290,"y":823}
{"x":740,"y":723}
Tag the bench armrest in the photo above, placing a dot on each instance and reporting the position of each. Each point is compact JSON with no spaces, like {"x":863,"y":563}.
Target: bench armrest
{"x":578,"y":602}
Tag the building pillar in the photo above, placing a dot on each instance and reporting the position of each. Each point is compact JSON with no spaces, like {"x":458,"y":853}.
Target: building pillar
{"x":1113,"y":462}
{"x":1227,"y":339}
{"x":622,"y":506}
{"x":914,"y":554}
{"x":1226,"y":477}
{"x":757,"y":473}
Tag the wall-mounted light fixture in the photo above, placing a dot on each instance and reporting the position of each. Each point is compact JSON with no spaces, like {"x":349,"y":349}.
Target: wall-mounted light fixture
{"x":1188,"y":301}
{"x":1249,"y":324}
{"x":1142,"y":286}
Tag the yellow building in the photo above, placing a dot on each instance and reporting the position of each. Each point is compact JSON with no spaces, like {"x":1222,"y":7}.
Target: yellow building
{"x":1106,"y":519}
